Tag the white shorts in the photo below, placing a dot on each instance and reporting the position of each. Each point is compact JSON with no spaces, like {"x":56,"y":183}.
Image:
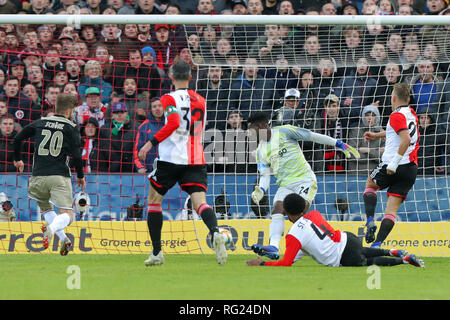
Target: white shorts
{"x":306,"y":189}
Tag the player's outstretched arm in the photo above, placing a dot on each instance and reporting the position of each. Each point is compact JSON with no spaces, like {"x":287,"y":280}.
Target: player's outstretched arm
{"x":302,"y":134}
{"x":293,"y":247}
{"x":329,"y":141}
{"x":264,"y":183}
{"x":347,"y":149}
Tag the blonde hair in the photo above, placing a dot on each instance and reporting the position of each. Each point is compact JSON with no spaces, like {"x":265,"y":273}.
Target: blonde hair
{"x":402,"y":92}
{"x":90,"y":64}
{"x":64,"y":102}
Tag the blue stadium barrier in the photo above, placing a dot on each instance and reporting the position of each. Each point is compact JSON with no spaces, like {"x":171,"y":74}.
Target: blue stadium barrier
{"x":112,"y":194}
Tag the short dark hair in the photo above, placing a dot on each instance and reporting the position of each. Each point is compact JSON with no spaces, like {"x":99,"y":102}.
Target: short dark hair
{"x":7,"y":116}
{"x":174,"y":5}
{"x":312,"y":9}
{"x":52,"y":86}
{"x":134,"y":50}
{"x":13,"y":79}
{"x":51,"y":48}
{"x":181,"y":70}
{"x":294,"y":204}
{"x":258,"y":117}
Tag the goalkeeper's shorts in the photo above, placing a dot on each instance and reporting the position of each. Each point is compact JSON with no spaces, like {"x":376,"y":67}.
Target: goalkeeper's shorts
{"x":306,"y":189}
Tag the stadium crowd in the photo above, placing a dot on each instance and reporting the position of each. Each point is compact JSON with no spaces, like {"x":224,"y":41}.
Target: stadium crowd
{"x":335,"y":80}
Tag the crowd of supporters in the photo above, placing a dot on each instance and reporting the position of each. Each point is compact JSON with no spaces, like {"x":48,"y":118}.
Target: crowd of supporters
{"x":335,"y":80}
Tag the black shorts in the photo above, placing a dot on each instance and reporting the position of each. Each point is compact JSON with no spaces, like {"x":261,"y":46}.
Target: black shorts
{"x":398,"y":184}
{"x":191,"y":178}
{"x":353,"y":256}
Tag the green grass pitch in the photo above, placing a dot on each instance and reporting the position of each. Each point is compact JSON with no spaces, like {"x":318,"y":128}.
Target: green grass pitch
{"x":194,"y":277}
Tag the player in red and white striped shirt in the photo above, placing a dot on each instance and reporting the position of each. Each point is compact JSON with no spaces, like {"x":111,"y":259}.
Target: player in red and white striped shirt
{"x":398,"y":169}
{"x":311,"y":234}
{"x":181,"y":159}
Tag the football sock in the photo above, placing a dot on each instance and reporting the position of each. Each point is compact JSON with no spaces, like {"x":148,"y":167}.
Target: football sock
{"x":276,"y":229}
{"x":59,"y":222}
{"x":61,"y":235}
{"x":209,"y":217}
{"x":375,"y":252}
{"x":384,"y":261}
{"x":48,"y":217}
{"x":154,"y":223}
{"x":370,"y":202}
{"x":385,"y":228}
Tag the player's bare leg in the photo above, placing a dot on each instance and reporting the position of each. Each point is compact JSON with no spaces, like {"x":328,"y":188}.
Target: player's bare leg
{"x":154,"y":223}
{"x":209,"y":218}
{"x":370,"y":202}
{"x":276,"y":230}
{"x":392,"y":206}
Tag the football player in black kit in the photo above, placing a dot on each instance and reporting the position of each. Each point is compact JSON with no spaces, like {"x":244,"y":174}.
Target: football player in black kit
{"x":56,"y":140}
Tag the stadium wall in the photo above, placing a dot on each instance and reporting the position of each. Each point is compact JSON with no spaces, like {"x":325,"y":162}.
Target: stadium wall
{"x":191,"y":237}
{"x":111,"y":195}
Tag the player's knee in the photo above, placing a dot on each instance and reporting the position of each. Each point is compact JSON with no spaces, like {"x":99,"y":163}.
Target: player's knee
{"x":198,"y":199}
{"x":154,"y":197}
{"x":275,"y":216}
{"x":45,"y":206}
{"x":371,"y":184}
{"x":69,"y":212}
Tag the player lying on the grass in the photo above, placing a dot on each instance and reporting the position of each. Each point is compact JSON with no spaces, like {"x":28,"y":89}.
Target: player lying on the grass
{"x":56,"y":138}
{"x":398,"y":168}
{"x":180,"y":159}
{"x":278,"y":150}
{"x":311,"y":234}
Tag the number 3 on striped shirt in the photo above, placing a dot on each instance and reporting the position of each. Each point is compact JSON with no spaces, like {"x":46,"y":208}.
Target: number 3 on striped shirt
{"x":191,"y":128}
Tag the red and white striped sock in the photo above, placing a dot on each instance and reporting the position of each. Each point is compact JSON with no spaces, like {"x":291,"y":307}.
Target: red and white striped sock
{"x":387,"y":223}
